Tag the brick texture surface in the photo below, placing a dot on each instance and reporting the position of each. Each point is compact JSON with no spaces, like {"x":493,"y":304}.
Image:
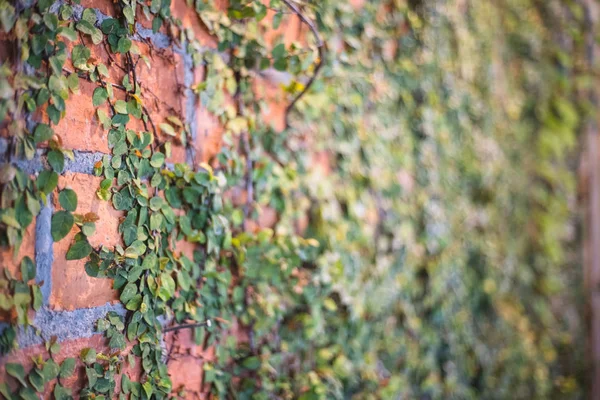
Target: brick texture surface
{"x":71,"y":286}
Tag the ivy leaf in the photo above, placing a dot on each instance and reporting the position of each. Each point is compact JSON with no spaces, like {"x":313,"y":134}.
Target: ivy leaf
{"x":167,"y":129}
{"x":278,"y":51}
{"x":136,"y":249}
{"x":62,"y":222}
{"x":47,"y":181}
{"x":157,"y":160}
{"x":28,"y":269}
{"x":99,"y":97}
{"x":103,"y":118}
{"x":128,"y":292}
{"x":67,"y":33}
{"x":121,"y":107}
{"x":129,"y":15}
{"x":17,"y":371}
{"x":28,"y":393}
{"x":88,"y":228}
{"x":61,"y":393}
{"x":50,"y":370}
{"x":78,"y":250}
{"x":67,"y":367}
{"x":42,"y":133}
{"x":80,"y":56}
{"x":37,"y":380}
{"x":88,"y":355}
{"x":56,"y":159}
{"x":36,"y":292}
{"x":7,"y":173}
{"x":147,"y":389}
{"x":68,"y":199}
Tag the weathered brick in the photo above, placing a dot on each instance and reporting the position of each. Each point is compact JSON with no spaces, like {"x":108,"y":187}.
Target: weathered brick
{"x":209,"y":132}
{"x":275,"y":102}
{"x":290,"y":30}
{"x":190,"y":20}
{"x":71,"y":286}
{"x":185,"y":364}
{"x":12,"y":261}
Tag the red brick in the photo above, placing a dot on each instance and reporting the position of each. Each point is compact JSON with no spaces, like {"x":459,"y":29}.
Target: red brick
{"x":209,"y":135}
{"x":290,"y":30}
{"x":71,"y":286}
{"x":80,"y":128}
{"x":186,"y":363}
{"x":190,"y":19}
{"x":11,"y":261}
{"x":106,"y":7}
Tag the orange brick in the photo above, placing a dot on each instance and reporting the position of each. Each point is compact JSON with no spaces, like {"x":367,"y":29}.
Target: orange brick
{"x":209,"y":132}
{"x":275,"y":101}
{"x":80,"y":128}
{"x":186,"y":363}
{"x":190,"y":19}
{"x":71,"y":286}
{"x":290,"y":30}
{"x":11,"y":261}
{"x":106,"y":7}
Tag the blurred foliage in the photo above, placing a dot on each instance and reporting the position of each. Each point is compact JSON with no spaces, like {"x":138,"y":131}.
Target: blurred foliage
{"x":446,"y":222}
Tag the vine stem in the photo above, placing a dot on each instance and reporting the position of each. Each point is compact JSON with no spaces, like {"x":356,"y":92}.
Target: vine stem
{"x":187,"y":326}
{"x":318,"y":64}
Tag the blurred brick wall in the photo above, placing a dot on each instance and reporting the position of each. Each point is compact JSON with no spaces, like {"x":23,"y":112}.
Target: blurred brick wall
{"x":74,"y":301}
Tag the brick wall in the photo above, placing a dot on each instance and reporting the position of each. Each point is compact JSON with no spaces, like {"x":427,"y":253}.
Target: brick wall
{"x":73,"y":301}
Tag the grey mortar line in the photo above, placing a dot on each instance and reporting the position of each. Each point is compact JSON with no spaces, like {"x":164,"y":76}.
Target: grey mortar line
{"x":190,"y":97}
{"x":44,"y":252}
{"x":65,"y":325}
{"x":82,"y":163}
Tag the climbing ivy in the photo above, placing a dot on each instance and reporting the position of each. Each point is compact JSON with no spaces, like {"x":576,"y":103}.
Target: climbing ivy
{"x":419,"y":260}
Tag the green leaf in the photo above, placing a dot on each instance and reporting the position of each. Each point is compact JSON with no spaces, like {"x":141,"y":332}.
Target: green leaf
{"x":121,"y":107}
{"x":103,"y":118}
{"x":67,"y":33}
{"x":78,"y":250}
{"x":278,"y":51}
{"x":61,"y":393}
{"x":68,"y":199}
{"x":99,"y":97}
{"x":62,"y":222}
{"x":88,"y":228}
{"x":7,"y":173}
{"x":28,"y":269}
{"x":42,"y":133}
{"x":37,"y":380}
{"x":67,"y":367}
{"x":88,"y":355}
{"x":47,"y":181}
{"x":157,"y":160}
{"x":50,"y":370}
{"x":36,"y":292}
{"x":129,"y":14}
{"x":147,"y":389}
{"x":128,"y":292}
{"x":92,"y":376}
{"x":17,"y":371}
{"x":28,"y":393}
{"x":136,"y":249}
{"x":167,"y":129}
{"x":56,"y":159}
